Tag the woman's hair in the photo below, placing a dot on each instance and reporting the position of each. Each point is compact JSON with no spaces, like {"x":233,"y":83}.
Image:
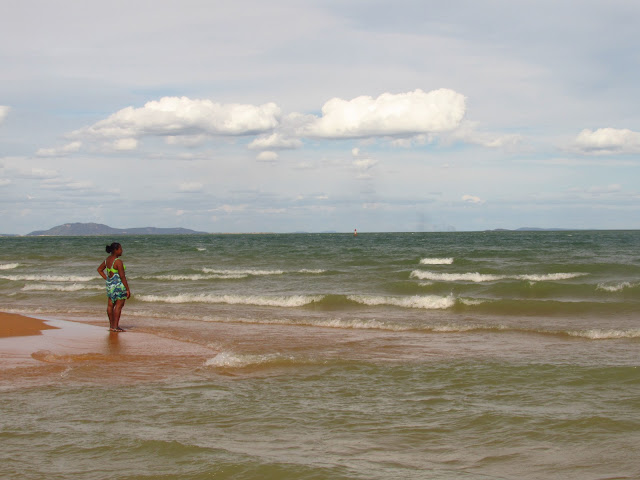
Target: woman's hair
{"x":113,"y":247}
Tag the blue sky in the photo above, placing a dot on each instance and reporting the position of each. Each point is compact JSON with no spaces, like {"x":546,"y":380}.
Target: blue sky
{"x":320,"y":115}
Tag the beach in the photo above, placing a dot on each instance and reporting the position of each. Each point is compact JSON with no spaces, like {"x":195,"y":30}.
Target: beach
{"x":502,"y":356}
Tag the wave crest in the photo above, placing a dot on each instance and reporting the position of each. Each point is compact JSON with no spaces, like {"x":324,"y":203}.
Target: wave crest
{"x":236,"y":360}
{"x":48,"y":278}
{"x":436,"y":261}
{"x":489,"y":277}
{"x":615,"y":288}
{"x":262,"y":301}
{"x":59,"y":288}
{"x":428,"y":302}
{"x":8,"y":266}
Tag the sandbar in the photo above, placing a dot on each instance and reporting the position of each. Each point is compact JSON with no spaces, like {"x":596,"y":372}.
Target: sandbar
{"x":99,"y":353}
{"x":14,"y":325}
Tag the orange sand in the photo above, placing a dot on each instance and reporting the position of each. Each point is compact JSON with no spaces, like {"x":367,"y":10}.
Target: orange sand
{"x":102,"y":355}
{"x":12,"y":325}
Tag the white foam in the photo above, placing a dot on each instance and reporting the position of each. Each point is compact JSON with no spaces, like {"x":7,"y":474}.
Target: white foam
{"x":59,"y":288}
{"x":235,"y":360}
{"x":455,"y":277}
{"x":256,"y":272}
{"x":436,"y":261}
{"x":599,"y":334}
{"x":488,"y":277}
{"x":266,"y":301}
{"x":428,"y":302}
{"x":194,"y":277}
{"x":615,"y":288}
{"x":249,"y":271}
{"x":200,"y":249}
{"x":48,"y":278}
{"x":549,"y":277}
{"x":9,"y":266}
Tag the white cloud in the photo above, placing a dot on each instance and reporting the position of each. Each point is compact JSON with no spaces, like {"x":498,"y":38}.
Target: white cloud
{"x":4,"y":182}
{"x":267,"y":156}
{"x":124,"y":144}
{"x":275,"y":141}
{"x":59,"y":152}
{"x":4,"y":111}
{"x":190,"y":187}
{"x":606,"y":141}
{"x":472,"y":199}
{"x":389,"y":115}
{"x":175,"y":116}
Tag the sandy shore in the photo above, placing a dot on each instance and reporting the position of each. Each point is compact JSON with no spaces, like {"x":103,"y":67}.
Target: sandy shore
{"x":13,"y":325}
{"x":93,"y":351}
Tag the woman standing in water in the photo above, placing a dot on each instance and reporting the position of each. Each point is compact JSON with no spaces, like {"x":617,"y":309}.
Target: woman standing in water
{"x":117,"y":286}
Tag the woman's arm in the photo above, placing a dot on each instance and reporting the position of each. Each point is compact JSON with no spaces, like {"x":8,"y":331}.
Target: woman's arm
{"x":120,"y":267}
{"x":101,"y":268}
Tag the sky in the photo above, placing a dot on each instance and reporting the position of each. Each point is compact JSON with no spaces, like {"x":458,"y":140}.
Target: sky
{"x":320,"y":115}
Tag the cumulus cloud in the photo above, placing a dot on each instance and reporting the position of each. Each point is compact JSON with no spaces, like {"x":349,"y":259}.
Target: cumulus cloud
{"x":404,"y":114}
{"x":472,"y":199}
{"x":176,"y":116}
{"x":4,"y":111}
{"x":607,"y":141}
{"x":275,"y":141}
{"x":60,"y":152}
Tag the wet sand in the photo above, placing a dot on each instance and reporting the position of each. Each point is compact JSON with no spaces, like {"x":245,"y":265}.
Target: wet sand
{"x":13,"y":325}
{"x":92,"y":353}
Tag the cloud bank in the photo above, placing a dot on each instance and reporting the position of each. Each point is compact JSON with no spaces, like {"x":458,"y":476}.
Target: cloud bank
{"x":175,"y":116}
{"x":414,"y":118}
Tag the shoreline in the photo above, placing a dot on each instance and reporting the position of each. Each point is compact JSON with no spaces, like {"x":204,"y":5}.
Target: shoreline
{"x":91,"y":350}
{"x":16,"y":325}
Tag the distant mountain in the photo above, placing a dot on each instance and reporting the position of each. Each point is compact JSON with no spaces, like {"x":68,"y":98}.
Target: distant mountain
{"x":88,"y":229}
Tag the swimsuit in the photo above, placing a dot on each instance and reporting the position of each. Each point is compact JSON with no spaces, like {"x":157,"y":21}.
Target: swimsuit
{"x":115,"y":288}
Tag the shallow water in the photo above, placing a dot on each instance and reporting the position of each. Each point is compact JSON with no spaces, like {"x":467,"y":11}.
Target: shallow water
{"x":460,"y":355}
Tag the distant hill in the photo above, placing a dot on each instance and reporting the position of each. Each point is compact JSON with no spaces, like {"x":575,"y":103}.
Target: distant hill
{"x":87,"y":229}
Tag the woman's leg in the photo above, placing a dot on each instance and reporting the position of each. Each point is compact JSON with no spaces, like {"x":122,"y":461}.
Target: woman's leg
{"x":117,"y":310}
{"x":110,"y":314}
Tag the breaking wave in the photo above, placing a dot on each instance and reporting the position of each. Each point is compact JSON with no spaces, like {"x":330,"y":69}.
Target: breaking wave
{"x":195,"y":277}
{"x":8,"y":266}
{"x":429,"y":302}
{"x":601,"y":334}
{"x":48,"y":278}
{"x":488,"y":277}
{"x":60,"y":288}
{"x":436,"y":261}
{"x":257,"y":272}
{"x":617,"y":287}
{"x":236,"y":360}
{"x":257,"y":300}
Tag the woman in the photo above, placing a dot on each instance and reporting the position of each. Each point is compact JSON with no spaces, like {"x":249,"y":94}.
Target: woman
{"x":117,"y":286}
